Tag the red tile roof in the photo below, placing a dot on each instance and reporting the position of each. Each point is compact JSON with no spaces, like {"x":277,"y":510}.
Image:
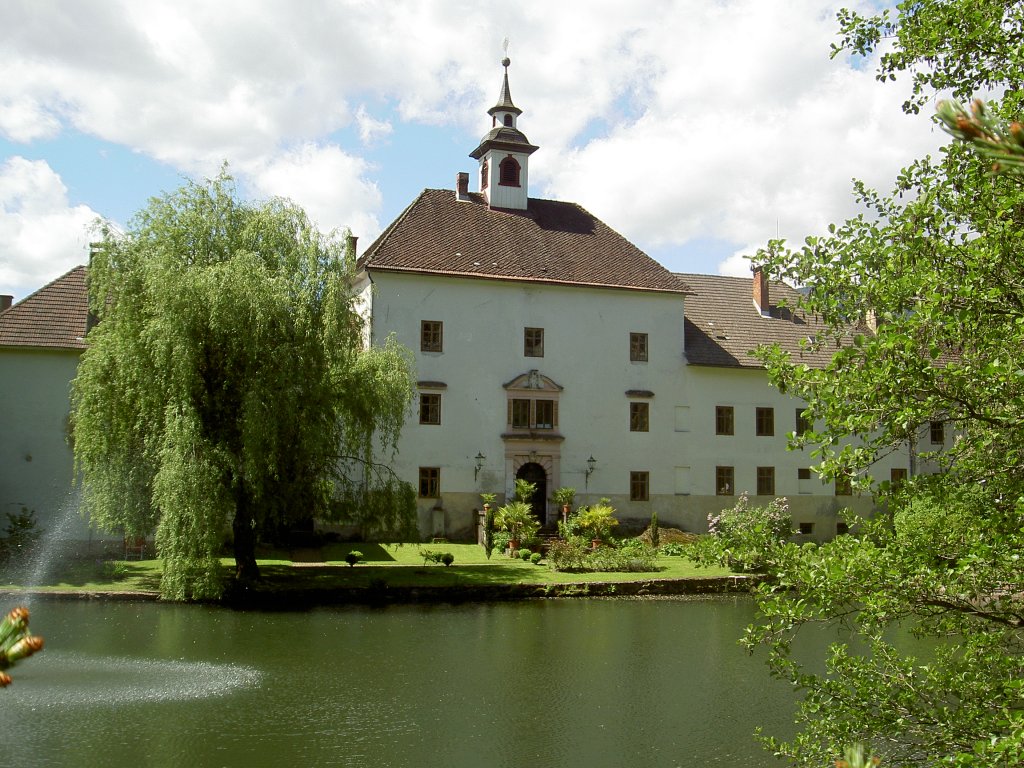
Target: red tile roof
{"x":723,"y":325}
{"x":550,"y":242}
{"x":54,"y":317}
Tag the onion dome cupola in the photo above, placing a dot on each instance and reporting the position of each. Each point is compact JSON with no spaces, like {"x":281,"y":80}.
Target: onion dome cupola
{"x":504,"y":154}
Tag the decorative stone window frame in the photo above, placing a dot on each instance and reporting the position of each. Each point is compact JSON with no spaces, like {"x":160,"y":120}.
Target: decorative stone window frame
{"x":522,"y":396}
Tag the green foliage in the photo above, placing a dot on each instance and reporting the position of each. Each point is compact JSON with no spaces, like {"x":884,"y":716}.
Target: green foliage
{"x":597,"y":520}
{"x":517,"y":519}
{"x":961,"y":46}
{"x":535,"y":558}
{"x":745,"y":538}
{"x":568,"y":553}
{"x":21,"y":537}
{"x":501,"y":540}
{"x":924,"y":305}
{"x":437,"y":557}
{"x":524,"y":490}
{"x":430,"y":556}
{"x":225,"y":389}
{"x":525,"y":554}
{"x":674,"y":549}
{"x":352,"y":557}
{"x":575,"y":554}
{"x":488,"y":526}
{"x":653,"y":528}
{"x":564,"y":496}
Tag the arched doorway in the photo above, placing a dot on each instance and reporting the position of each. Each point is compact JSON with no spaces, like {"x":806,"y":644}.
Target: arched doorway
{"x":534,"y":473}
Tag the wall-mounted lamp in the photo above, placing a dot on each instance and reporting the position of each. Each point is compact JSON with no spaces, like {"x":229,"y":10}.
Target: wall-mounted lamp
{"x":479,"y":464}
{"x":591,"y":463}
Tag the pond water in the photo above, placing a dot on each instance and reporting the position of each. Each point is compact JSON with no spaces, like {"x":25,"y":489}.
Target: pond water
{"x":559,"y":683}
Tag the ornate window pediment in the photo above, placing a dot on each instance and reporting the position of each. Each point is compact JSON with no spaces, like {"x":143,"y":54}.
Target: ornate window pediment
{"x":532,"y":381}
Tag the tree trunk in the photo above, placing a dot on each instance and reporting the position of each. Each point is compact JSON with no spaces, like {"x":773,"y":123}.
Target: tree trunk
{"x":244,"y":530}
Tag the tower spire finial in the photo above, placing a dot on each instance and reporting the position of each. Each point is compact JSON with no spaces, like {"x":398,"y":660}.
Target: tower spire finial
{"x":505,"y":61}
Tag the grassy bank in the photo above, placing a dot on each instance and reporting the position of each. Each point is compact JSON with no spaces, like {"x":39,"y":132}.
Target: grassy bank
{"x":383,"y":567}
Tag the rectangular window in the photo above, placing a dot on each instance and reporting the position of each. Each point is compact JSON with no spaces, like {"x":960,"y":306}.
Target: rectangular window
{"x":766,"y":481}
{"x":724,"y":485}
{"x":803,"y":424}
{"x":764,"y":422}
{"x":844,"y":485}
{"x":803,"y":473}
{"x":723,"y":420}
{"x":639,"y":417}
{"x":897,"y":476}
{"x":842,"y":528}
{"x":431,"y":336}
{"x":519,"y":413}
{"x":639,"y":486}
{"x":430,"y":408}
{"x":805,"y":528}
{"x":533,"y":342}
{"x":430,"y":482}
{"x":638,"y":347}
{"x":937,"y":431}
{"x":545,"y":414}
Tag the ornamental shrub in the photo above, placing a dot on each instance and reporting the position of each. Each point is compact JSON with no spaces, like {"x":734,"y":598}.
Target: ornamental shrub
{"x":353,"y":557}
{"x":535,"y":558}
{"x":746,"y":538}
{"x":568,"y":554}
{"x":525,"y":554}
{"x":447,"y":558}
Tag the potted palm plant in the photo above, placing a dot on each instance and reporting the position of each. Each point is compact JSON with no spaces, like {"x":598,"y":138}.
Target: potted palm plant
{"x":564,"y":498}
{"x":518,"y":521}
{"x":597,"y":521}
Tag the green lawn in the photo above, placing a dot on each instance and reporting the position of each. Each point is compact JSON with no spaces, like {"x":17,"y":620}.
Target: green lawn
{"x":393,"y":565}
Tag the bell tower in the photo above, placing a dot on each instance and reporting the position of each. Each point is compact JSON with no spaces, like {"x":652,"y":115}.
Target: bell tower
{"x":504,"y":154}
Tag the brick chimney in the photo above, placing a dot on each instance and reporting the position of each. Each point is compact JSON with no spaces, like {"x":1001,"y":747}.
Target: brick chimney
{"x":462,"y":186}
{"x":761,"y":298}
{"x":5,"y":301}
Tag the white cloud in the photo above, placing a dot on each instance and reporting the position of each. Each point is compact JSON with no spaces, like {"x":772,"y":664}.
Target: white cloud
{"x":673,"y":120}
{"x":328,"y":183}
{"x":41,"y":235}
{"x":371,"y":129}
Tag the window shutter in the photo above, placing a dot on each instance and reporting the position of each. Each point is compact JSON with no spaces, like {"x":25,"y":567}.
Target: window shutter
{"x":510,"y":412}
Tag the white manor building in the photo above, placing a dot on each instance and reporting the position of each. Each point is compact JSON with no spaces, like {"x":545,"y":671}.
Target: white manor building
{"x":547,"y":346}
{"x":550,"y":348}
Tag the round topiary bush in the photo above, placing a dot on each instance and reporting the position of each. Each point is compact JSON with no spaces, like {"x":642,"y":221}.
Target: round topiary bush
{"x":535,"y":558}
{"x":353,"y":557}
{"x":525,"y":554}
{"x":447,"y":558}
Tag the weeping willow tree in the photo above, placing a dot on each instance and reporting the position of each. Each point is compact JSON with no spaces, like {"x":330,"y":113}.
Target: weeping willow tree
{"x":226,"y":388}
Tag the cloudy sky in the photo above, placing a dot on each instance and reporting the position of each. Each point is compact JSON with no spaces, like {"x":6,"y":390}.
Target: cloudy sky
{"x":697,"y":128}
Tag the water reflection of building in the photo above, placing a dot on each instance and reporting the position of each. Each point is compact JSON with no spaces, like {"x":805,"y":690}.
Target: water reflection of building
{"x":548,"y":347}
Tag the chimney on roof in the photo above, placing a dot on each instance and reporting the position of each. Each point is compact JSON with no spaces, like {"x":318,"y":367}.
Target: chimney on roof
{"x":5,"y":301}
{"x":761,"y":298}
{"x":462,"y":186}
